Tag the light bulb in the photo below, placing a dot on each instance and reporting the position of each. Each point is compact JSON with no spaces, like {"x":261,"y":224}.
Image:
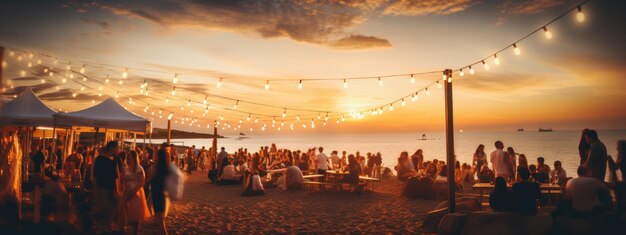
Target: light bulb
{"x":461,"y":73}
{"x":256,"y":120}
{"x":248,"y":118}
{"x":58,"y":88}
{"x":471,"y":70}
{"x":11,"y":53}
{"x":106,"y":80}
{"x":547,"y":33}
{"x":412,"y":79}
{"x":23,"y":73}
{"x":99,"y":93}
{"x":345,"y":84}
{"x":427,"y":91}
{"x":71,"y":75}
{"x":300,"y":85}
{"x":30,"y":64}
{"x":167,"y":99}
{"x":43,"y":81}
{"x":175,"y":79}
{"x":174,"y":91}
{"x":121,"y":82}
{"x":298,"y":117}
{"x":236,"y":104}
{"x":267,"y":85}
{"x":51,"y":74}
{"x":82,"y":88}
{"x":64,"y":80}
{"x":93,"y":101}
{"x":485,"y":65}
{"x":496,"y":60}
{"x":74,"y":95}
{"x":414,"y":98}
{"x":219,"y":83}
{"x":188,"y":103}
{"x":380,"y":82}
{"x":438,"y":85}
{"x":444,"y":77}
{"x":580,"y":16}
{"x":84,"y":79}
{"x":125,"y":73}
{"x":284,"y":113}
{"x":516,"y":50}
{"x":205,"y":100}
{"x":38,"y":61}
{"x":82,"y":69}
{"x":403,"y":103}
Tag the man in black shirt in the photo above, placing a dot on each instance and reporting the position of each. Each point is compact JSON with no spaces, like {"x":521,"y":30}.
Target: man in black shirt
{"x":106,"y":195}
{"x":526,"y":193}
{"x":38,"y":159}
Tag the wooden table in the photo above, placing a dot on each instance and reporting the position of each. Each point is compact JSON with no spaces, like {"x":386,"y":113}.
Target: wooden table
{"x":488,"y":186}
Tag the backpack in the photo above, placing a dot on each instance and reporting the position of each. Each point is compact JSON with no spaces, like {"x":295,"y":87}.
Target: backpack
{"x":174,"y":183}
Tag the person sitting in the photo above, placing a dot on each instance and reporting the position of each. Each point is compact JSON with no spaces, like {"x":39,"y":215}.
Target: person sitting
{"x":292,"y":179}
{"x":228,"y":176}
{"x":354,"y":170}
{"x":558,"y":175}
{"x":501,"y":199}
{"x":485,"y":175}
{"x":404,"y":167}
{"x":254,"y":186}
{"x":537,"y":176}
{"x":588,"y":195}
{"x":526,"y":193}
{"x":431,"y":170}
{"x":542,"y":168}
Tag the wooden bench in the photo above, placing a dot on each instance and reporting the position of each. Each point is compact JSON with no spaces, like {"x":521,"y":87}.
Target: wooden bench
{"x":369,"y":179}
{"x":321,"y":184}
{"x":309,"y":177}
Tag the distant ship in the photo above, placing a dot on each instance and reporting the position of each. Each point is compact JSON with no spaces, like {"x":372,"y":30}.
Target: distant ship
{"x":545,"y":130}
{"x":423,"y":137}
{"x":521,"y":129}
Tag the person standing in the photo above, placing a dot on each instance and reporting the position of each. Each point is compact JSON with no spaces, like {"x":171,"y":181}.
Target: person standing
{"x":106,"y":189}
{"x":512,"y":158}
{"x":322,"y":162}
{"x":583,"y":147}
{"x":500,"y":162}
{"x":134,"y":195}
{"x":157,"y":177}
{"x":222,"y":160}
{"x":596,"y":161}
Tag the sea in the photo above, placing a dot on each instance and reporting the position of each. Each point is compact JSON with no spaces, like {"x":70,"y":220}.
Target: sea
{"x":556,"y":145}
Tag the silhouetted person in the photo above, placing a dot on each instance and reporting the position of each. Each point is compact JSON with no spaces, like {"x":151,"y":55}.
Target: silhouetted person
{"x":526,"y":193}
{"x":596,"y":161}
{"x":501,"y":198}
{"x":583,"y":147}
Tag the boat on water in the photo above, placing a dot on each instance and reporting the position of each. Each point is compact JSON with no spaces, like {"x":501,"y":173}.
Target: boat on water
{"x":545,"y":130}
{"x":521,"y":129}
{"x":423,"y":137}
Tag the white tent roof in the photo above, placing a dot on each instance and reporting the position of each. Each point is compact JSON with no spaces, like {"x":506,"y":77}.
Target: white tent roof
{"x":108,"y":114}
{"x":26,"y":110}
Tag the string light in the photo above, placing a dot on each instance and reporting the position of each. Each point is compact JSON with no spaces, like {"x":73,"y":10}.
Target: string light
{"x":580,"y":16}
{"x":188,"y":103}
{"x":414,"y":97}
{"x":121,"y":82}
{"x":298,"y":117}
{"x":380,"y":82}
{"x":496,"y":60}
{"x":11,"y":53}
{"x":219,"y":83}
{"x":74,"y":95}
{"x":30,"y":64}
{"x":300,"y":85}
{"x":284,"y":113}
{"x":174,"y":91}
{"x":485,"y":65}
{"x":82,"y":69}
{"x":547,"y":33}
{"x":236,"y":104}
{"x":438,"y":85}
{"x":461,"y":73}
{"x":427,"y":91}
{"x":256,"y":119}
{"x":403,"y":103}
{"x":412,"y":79}
{"x":267,"y":85}
{"x":175,"y":79}
{"x":516,"y":49}
{"x":345,"y":84}
{"x":248,"y":118}
{"x":125,"y":73}
{"x":23,"y":73}
{"x":472,"y":72}
{"x":391,"y":107}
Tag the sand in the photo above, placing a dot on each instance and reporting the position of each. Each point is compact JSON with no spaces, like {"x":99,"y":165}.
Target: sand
{"x":212,"y":209}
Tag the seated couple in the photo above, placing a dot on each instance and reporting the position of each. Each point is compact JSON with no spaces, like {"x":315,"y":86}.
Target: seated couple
{"x":230,"y":175}
{"x":292,"y":179}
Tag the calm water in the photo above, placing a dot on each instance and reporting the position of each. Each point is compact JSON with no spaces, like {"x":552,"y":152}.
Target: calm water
{"x":557,"y":145}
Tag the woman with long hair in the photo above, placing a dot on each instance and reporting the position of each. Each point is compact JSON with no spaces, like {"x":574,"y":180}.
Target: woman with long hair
{"x":583,"y":147}
{"x":418,"y":160}
{"x":480,"y":157}
{"x":404,"y":168}
{"x":134,"y":195}
{"x":354,"y":171}
{"x":158,"y":174}
{"x":512,"y":158}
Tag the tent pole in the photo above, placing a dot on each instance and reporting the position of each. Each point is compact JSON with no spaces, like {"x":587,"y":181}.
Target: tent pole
{"x":1,"y":67}
{"x":169,"y":129}
{"x":450,"y":159}
{"x":214,"y":145}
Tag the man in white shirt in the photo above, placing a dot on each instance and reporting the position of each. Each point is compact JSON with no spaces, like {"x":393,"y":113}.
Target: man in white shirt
{"x":322,"y":162}
{"x":334,"y":159}
{"x":500,"y":162}
{"x":586,"y":192}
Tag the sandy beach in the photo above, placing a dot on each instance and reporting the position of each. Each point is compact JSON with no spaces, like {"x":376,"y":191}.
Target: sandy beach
{"x":212,"y":209}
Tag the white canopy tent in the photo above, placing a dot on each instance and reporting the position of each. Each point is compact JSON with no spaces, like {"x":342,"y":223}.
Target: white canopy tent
{"x":26,"y":110}
{"x":108,"y":115}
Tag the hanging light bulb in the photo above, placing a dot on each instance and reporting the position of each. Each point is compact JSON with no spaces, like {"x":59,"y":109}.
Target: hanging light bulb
{"x":319,"y":116}
{"x":547,"y":33}
{"x":64,"y":80}
{"x":51,"y":74}
{"x":93,"y":101}
{"x":174,"y":91}
{"x":412,"y":79}
{"x":175,"y":79}
{"x":345,"y":84}
{"x":69,"y":66}
{"x":58,"y":88}
{"x":414,"y":97}
{"x":219,"y":83}
{"x":391,"y":107}
{"x":496,"y":60}
{"x":100,"y":94}
{"x":107,"y":80}
{"x":23,"y":73}
{"x":298,"y":117}
{"x":167,"y":99}
{"x":74,"y":95}
{"x":516,"y":49}
{"x":438,"y":85}
{"x":125,"y":73}
{"x":403,"y":103}
{"x":580,"y":16}
{"x":82,"y":69}
{"x":343,"y":118}
{"x":248,"y":118}
{"x":38,"y":61}
{"x":30,"y":64}
{"x":121,"y":82}
{"x":205,"y":100}
{"x":461,"y":73}
{"x":256,"y":119}
{"x":11,"y":53}
{"x":43,"y":80}
{"x":117,"y":94}
{"x":380,"y":111}
{"x":84,"y":78}
{"x":300,"y":85}
{"x":427,"y":91}
{"x":472,"y":72}
{"x":82,"y":88}
{"x":188,"y":103}
{"x":380,"y":82}
{"x":236,"y":104}
{"x":19,"y":58}
{"x":485,"y":65}
{"x":71,"y":75}
{"x":284,"y":113}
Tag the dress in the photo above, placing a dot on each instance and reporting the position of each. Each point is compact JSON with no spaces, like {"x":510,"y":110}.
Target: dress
{"x":136,"y":206}
{"x":158,"y":189}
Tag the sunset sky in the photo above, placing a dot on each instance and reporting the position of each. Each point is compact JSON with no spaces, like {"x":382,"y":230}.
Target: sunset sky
{"x":572,"y":81}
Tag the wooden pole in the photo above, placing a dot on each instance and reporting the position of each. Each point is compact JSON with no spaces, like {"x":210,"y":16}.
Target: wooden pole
{"x":214,"y":144}
{"x":169,"y":129}
{"x":1,"y":67}
{"x":450,"y":159}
